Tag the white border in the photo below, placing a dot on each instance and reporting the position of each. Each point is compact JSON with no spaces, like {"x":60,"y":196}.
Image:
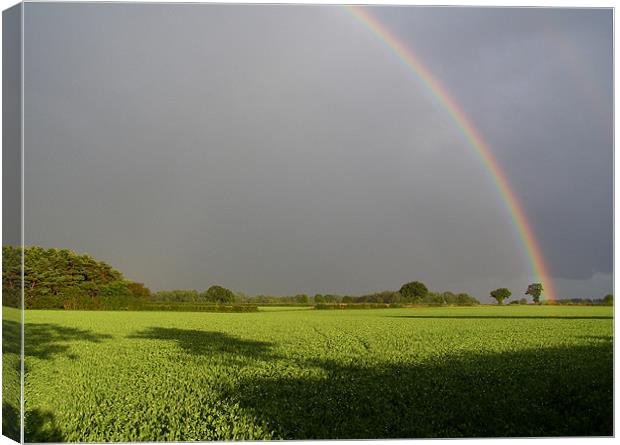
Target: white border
{"x":482,"y":3}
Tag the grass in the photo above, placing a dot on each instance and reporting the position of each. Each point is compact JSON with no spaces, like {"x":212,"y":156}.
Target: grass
{"x":300,"y":374}
{"x":11,"y":369}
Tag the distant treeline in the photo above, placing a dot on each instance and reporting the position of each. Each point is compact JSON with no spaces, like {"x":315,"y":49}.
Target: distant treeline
{"x":384,"y":297}
{"x":197,"y":307}
{"x":215,"y":294}
{"x":328,"y":306}
{"x":607,"y":300}
{"x":63,"y":279}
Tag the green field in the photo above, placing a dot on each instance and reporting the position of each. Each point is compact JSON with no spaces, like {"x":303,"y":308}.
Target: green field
{"x":11,"y":368}
{"x":298,"y":374}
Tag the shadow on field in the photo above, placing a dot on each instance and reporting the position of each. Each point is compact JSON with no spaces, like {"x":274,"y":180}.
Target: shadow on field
{"x":43,"y":340}
{"x":11,"y":336}
{"x":196,"y":342}
{"x":548,"y":392}
{"x":40,"y":426}
{"x":508,"y":317}
{"x":11,"y":369}
{"x":10,"y":421}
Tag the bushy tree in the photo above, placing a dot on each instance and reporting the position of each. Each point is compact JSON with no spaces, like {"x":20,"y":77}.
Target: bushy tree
{"x":61,"y":278}
{"x":464,"y":299}
{"x":218,"y":294}
{"x":449,"y":297}
{"x":535,"y":290}
{"x":139,"y":290}
{"x":608,"y":300}
{"x":11,"y":276}
{"x":501,"y":294}
{"x":414,"y":291}
{"x":436,"y":298}
{"x":301,"y":299}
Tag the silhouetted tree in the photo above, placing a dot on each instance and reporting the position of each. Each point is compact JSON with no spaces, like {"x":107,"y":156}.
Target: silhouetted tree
{"x":414,"y":291}
{"x":218,"y":294}
{"x":500,"y":294}
{"x":535,"y":290}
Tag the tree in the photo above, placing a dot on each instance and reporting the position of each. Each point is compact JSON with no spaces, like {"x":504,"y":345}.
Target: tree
{"x":178,"y":296}
{"x":219,"y":294}
{"x":449,"y":297}
{"x":464,"y":299}
{"x":500,"y":294}
{"x":414,"y":291}
{"x":11,"y":276}
{"x":61,"y":278}
{"x":535,"y":290}
{"x":330,"y":298}
{"x":301,"y":299}
{"x":434,"y":298}
{"x":608,"y":300}
{"x":139,"y":291}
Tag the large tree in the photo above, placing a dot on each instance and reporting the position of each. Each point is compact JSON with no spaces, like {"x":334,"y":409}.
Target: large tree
{"x":414,"y":291}
{"x":535,"y":290}
{"x":63,"y":279}
{"x":500,"y":294}
{"x":218,"y":294}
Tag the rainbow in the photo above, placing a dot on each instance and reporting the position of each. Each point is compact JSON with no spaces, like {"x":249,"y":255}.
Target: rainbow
{"x":408,"y":58}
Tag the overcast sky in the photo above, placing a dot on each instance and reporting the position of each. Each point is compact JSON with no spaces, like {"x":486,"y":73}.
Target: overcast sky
{"x":284,"y":149}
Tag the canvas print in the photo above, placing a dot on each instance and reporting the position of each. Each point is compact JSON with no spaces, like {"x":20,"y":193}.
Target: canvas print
{"x":264,"y":222}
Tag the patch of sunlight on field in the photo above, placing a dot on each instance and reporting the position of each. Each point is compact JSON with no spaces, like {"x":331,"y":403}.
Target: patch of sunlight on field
{"x":311,"y":374}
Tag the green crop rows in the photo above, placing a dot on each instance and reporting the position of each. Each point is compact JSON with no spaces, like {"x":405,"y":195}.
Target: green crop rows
{"x":11,"y":368}
{"x":417,"y":372}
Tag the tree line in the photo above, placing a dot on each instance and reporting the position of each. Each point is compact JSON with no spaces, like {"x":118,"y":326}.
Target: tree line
{"x":63,"y":279}
{"x":215,"y":294}
{"x":535,"y":290}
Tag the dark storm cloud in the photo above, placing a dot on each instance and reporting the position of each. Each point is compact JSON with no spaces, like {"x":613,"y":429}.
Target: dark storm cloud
{"x":282,"y":149}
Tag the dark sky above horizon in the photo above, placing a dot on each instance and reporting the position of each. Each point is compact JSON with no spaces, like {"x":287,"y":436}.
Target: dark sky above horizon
{"x":283,"y":149}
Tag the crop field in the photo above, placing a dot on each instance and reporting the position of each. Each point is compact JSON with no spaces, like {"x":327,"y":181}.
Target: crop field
{"x":302,"y":373}
{"x":11,"y":368}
